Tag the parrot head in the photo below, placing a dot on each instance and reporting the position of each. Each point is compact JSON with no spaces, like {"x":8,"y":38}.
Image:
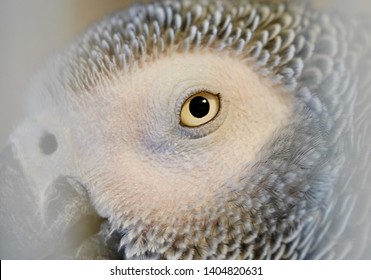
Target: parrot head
{"x":196,"y":130}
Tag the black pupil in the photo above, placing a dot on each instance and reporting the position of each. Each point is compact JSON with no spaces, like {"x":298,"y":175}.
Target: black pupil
{"x":199,"y":107}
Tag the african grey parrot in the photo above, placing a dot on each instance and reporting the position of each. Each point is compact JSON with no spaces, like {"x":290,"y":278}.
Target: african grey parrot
{"x":197,"y":130}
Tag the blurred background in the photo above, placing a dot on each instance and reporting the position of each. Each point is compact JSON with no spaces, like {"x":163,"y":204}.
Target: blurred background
{"x":32,"y":31}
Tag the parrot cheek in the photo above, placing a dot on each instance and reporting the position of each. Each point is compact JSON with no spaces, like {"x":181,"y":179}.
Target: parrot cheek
{"x":145,"y":193}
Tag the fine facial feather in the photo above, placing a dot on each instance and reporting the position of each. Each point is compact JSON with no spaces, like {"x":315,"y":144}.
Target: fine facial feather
{"x":163,"y":167}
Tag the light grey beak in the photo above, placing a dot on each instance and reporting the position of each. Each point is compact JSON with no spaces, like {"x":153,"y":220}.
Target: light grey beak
{"x":34,"y":225}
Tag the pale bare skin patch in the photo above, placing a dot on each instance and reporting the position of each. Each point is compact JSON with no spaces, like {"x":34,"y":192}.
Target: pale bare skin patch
{"x":141,"y":161}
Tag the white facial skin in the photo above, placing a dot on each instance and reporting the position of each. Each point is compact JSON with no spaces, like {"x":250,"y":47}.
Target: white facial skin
{"x":138,"y":159}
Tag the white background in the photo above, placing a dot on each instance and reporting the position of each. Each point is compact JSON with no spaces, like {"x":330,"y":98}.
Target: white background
{"x":100,"y":270}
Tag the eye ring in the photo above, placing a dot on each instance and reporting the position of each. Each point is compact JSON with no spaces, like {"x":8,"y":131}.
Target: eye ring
{"x":199,"y":109}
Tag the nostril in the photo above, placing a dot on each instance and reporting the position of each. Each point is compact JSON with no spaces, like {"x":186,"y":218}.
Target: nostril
{"x":48,"y":144}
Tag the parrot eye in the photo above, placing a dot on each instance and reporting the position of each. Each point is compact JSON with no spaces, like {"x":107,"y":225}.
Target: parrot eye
{"x":199,"y":109}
